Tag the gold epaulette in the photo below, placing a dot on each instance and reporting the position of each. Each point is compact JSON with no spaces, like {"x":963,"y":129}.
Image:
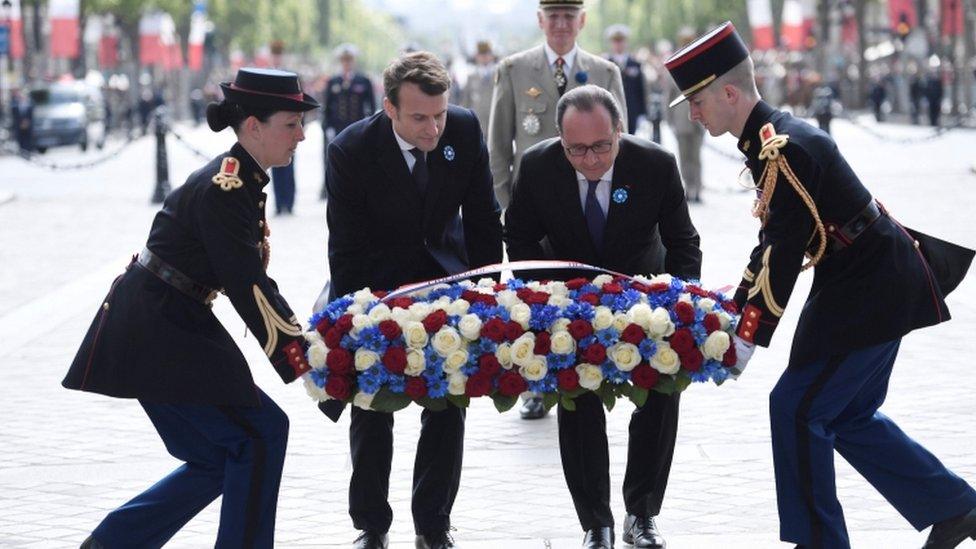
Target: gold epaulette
{"x":228,"y":179}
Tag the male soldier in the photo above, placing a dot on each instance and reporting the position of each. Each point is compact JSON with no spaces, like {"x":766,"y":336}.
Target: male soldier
{"x":410,"y":199}
{"x":527,"y":86}
{"x":599,"y":197}
{"x":690,"y":134}
{"x":631,"y":73}
{"x":874,"y":282}
{"x":348,"y":98}
{"x":477,"y":92}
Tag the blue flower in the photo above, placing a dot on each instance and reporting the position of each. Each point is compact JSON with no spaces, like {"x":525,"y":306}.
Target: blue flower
{"x":483,"y":346}
{"x":368,"y":384}
{"x":607,"y":337}
{"x":607,"y":300}
{"x":319,"y":377}
{"x":582,"y":77}
{"x":614,"y":375}
{"x":587,"y":341}
{"x":647,"y":349}
{"x":436,"y":385}
{"x":515,"y":284}
{"x":700,"y":333}
{"x":543,"y":316}
{"x":372,"y":340}
{"x":579,"y":310}
{"x":620,"y":195}
{"x":396,"y":383}
{"x":560,"y":362}
{"x":449,"y":153}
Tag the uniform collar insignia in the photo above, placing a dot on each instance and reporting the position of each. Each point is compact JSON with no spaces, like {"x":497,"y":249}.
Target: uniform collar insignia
{"x":227,"y":178}
{"x":533,"y":92}
{"x":745,"y":145}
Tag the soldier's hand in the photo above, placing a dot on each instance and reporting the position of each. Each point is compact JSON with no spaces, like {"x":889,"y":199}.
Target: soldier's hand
{"x":743,"y":352}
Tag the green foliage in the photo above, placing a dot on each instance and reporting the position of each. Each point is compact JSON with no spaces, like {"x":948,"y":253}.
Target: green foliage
{"x":387,"y":401}
{"x":503,"y":403}
{"x":653,"y":20}
{"x":639,"y":396}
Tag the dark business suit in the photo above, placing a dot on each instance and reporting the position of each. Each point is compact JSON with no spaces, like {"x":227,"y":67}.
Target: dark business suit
{"x":545,"y":219}
{"x":384,"y":233}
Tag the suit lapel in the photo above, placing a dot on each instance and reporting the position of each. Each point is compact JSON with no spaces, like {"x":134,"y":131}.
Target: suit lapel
{"x":566,"y":192}
{"x":543,"y":75}
{"x":582,"y":64}
{"x":392,"y":161}
{"x":617,"y":211}
{"x":439,"y":169}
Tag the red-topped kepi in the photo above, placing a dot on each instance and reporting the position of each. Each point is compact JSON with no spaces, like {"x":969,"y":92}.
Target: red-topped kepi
{"x":268,"y":88}
{"x":699,"y":63}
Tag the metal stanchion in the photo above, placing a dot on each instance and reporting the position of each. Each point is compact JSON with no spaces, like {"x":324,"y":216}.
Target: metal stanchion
{"x":162,"y":162}
{"x":656,"y":115}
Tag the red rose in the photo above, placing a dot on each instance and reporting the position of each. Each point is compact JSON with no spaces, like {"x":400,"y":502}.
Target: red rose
{"x":415,"y":388}
{"x":730,"y":307}
{"x":729,"y":359}
{"x":435,"y":321}
{"x":580,"y":329}
{"x":338,"y":387}
{"x":344,"y":324}
{"x":494,"y":330}
{"x":390,"y":329}
{"x":568,"y":379}
{"x":696,"y":290}
{"x":323,"y":326}
{"x":640,"y":287}
{"x":523,"y":293}
{"x":538,"y":298}
{"x":471,"y":296}
{"x":513,"y":330}
{"x":592,"y":299}
{"x":612,"y":288}
{"x":333,"y":338}
{"x":499,"y":286}
{"x":395,"y":359}
{"x":339,"y":361}
{"x":632,"y":334}
{"x":489,"y":365}
{"x":692,"y":360}
{"x":644,"y":376}
{"x":595,"y":354}
{"x":685,"y":312}
{"x":478,"y":385}
{"x":543,"y":343}
{"x":576,"y":283}
{"x":657,"y":287}
{"x":712,"y":323}
{"x":511,"y":384}
{"x":380,"y":293}
{"x":682,"y":341}
{"x":401,"y":302}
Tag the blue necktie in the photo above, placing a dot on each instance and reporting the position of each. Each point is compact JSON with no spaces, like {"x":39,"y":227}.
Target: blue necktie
{"x":420,"y":174}
{"x":595,"y":218}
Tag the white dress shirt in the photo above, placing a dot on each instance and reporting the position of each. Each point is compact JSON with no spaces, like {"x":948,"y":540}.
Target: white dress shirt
{"x":405,"y":149}
{"x":568,"y":59}
{"x":602,"y":190}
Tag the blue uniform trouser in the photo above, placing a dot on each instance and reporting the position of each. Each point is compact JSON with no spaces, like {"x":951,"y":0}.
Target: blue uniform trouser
{"x":234,"y":451}
{"x":833,"y":404}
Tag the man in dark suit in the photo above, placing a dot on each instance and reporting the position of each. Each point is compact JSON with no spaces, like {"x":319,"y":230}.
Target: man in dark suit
{"x":599,"y":196}
{"x":630,"y":73}
{"x":396,"y":183}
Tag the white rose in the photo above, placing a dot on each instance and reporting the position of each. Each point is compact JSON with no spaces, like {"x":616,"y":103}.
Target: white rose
{"x":523,"y":349}
{"x":661,"y":279}
{"x":443,"y":303}
{"x":590,"y":376}
{"x":507,"y":298}
{"x":504,"y":355}
{"x":466,"y":284}
{"x":640,"y":314}
{"x":379,"y":313}
{"x":562,"y":343}
{"x":470,"y":327}
{"x":620,"y":321}
{"x":724,"y":320}
{"x":313,"y":337}
{"x":316,"y":355}
{"x":317,"y":393}
{"x":666,"y":360}
{"x":354,"y":309}
{"x":414,"y":334}
{"x":625,"y":355}
{"x":446,"y":341}
{"x":642,"y":279}
{"x":359,"y":322}
{"x":603,"y":318}
{"x":558,"y":288}
{"x":685,"y":297}
{"x":456,"y":383}
{"x":365,"y":360}
{"x":419,"y":311}
{"x":363,"y":400}
{"x":706,"y":304}
{"x":486,"y":282}
{"x":458,"y":307}
{"x":660,"y":324}
{"x":534,"y":285}
{"x":560,"y":301}
{"x":415,"y":363}
{"x":521,"y":313}
{"x":560,"y":325}
{"x":600,"y":280}
{"x":716,"y":344}
{"x":400,"y":315}
{"x":535,"y":368}
{"x":364,"y":297}
{"x":455,"y":360}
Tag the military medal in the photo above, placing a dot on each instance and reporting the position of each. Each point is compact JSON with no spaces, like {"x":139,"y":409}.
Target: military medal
{"x":533,"y":92}
{"x":449,"y":153}
{"x":531,"y":124}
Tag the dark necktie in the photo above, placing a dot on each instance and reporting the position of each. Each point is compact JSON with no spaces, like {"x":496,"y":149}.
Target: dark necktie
{"x":595,"y":218}
{"x":560,"y":76}
{"x":420,"y":173}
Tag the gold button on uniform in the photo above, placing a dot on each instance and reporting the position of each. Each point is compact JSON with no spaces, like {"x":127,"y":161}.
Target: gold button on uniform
{"x":261,"y":223}
{"x":105,"y":305}
{"x":261,"y":204}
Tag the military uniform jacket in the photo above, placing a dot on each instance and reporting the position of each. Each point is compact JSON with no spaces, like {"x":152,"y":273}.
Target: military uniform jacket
{"x":346,"y":102}
{"x":634,"y":90}
{"x":151,"y":341}
{"x":875,"y":290}
{"x":523,"y":107}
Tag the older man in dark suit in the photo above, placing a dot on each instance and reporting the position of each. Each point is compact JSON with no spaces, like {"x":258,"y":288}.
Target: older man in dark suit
{"x":600,"y":196}
{"x":396,"y":183}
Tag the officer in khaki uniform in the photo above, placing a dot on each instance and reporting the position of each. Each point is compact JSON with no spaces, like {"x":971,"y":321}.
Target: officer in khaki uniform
{"x":476,"y":94}
{"x":528,"y":84}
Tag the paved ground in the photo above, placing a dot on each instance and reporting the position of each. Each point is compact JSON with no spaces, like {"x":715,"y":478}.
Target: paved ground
{"x":68,"y":457}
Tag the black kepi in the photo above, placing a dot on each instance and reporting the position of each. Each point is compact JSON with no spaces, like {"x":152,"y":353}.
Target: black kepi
{"x":270,"y":89}
{"x":699,"y":63}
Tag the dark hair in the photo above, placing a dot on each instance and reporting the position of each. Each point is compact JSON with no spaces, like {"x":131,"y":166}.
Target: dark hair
{"x":422,"y":68}
{"x":585,"y":99}
{"x":228,"y":114}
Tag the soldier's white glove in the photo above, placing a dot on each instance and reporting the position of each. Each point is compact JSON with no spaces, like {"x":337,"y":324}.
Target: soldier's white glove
{"x":743,"y":352}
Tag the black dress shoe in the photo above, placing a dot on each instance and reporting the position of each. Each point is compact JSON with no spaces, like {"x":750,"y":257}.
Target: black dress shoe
{"x":371,"y":540}
{"x":598,"y":538}
{"x":532,"y":408}
{"x":435,"y":540}
{"x":92,"y":543}
{"x":951,"y":532}
{"x":643,"y":532}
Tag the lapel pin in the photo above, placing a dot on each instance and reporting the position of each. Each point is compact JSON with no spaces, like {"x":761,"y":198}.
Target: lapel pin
{"x":620,"y":196}
{"x":582,"y":77}
{"x":449,"y":153}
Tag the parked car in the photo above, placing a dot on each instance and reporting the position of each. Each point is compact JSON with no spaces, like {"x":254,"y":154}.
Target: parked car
{"x":67,"y":113}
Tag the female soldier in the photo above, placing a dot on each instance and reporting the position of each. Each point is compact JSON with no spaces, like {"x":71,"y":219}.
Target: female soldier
{"x":155,"y":338}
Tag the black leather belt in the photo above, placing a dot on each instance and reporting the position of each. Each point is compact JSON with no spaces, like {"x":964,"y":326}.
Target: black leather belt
{"x":842,"y":236}
{"x":152,"y":263}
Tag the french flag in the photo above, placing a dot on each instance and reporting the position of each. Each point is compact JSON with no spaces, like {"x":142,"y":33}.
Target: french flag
{"x":198,"y":32}
{"x":65,"y":32}
{"x":761,"y":21}
{"x":150,"y":46}
{"x":16,"y":31}
{"x":108,"y":44}
{"x":172,"y":52}
{"x":793,"y":33}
